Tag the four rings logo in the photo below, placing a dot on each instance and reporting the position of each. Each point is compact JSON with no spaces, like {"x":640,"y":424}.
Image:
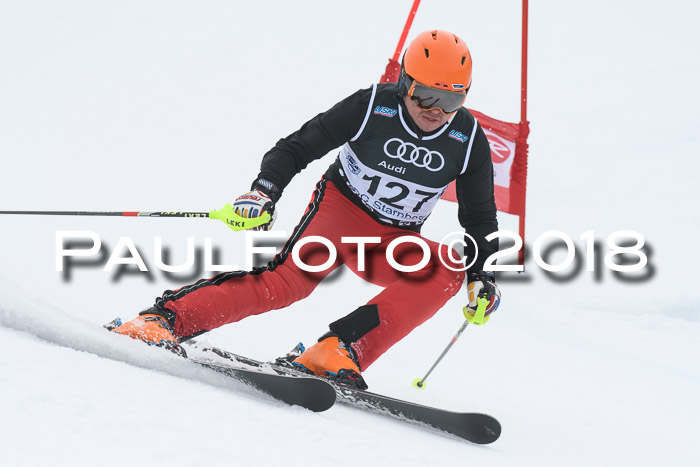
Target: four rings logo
{"x":418,"y":156}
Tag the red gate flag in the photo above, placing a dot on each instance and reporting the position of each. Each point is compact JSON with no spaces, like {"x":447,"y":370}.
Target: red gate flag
{"x":508,"y":143}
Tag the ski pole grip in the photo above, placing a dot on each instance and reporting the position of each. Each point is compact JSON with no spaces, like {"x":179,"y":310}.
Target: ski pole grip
{"x":236,"y":222}
{"x":478,"y":317}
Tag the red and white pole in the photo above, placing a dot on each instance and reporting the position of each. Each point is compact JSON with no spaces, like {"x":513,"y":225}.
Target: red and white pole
{"x":391,"y":74}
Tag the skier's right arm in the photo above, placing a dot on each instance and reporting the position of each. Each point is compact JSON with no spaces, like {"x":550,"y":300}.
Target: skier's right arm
{"x":320,"y":135}
{"x":323,"y":133}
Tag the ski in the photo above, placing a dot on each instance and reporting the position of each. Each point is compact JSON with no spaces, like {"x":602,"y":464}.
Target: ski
{"x":311,"y":393}
{"x":308,"y":392}
{"x":474,"y":427}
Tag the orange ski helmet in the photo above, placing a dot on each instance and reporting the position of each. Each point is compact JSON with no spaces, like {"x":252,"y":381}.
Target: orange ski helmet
{"x":438,"y":59}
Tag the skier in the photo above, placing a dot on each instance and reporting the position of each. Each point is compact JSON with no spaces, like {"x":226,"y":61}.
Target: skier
{"x":401,"y":145}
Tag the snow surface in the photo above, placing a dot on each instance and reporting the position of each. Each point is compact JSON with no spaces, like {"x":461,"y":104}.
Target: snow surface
{"x":169,"y":105}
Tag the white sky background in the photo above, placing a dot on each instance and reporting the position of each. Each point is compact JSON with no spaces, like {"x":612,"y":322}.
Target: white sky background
{"x":161,"y":105}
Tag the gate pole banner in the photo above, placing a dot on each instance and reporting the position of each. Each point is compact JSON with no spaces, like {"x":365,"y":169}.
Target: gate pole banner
{"x":508,"y":143}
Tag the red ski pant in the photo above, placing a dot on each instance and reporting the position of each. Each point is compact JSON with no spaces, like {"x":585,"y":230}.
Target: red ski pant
{"x":408,"y":298}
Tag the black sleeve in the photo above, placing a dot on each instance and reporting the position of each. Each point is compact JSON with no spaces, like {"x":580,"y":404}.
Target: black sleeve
{"x":477,"y":204}
{"x":323,"y":133}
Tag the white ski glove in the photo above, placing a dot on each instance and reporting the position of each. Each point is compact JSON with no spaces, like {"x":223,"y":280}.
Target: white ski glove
{"x":253,"y":204}
{"x":482,"y":286}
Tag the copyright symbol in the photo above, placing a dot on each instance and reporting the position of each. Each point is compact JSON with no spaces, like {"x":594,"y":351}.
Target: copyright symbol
{"x":449,"y":241}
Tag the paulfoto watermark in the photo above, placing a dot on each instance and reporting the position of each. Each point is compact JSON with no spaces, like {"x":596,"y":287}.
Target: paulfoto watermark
{"x":625,"y":252}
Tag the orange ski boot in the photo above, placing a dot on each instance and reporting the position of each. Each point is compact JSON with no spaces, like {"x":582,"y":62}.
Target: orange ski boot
{"x":152,"y":329}
{"x":332,"y":359}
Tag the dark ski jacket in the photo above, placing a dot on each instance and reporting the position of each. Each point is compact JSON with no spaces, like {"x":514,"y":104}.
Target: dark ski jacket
{"x":392,"y":170}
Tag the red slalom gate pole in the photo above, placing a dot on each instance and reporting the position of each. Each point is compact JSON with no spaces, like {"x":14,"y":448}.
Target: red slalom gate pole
{"x":523,"y":119}
{"x":391,"y":74}
{"x":523,"y":67}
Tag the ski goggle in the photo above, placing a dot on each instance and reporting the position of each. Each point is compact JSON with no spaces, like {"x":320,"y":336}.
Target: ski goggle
{"x":428,"y":98}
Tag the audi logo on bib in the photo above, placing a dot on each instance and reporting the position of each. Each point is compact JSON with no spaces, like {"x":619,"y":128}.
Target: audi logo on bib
{"x":418,"y":156}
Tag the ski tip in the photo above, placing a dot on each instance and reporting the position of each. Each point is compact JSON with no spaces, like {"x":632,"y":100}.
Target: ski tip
{"x":313,"y":394}
{"x":319,"y":397}
{"x":485,"y":429}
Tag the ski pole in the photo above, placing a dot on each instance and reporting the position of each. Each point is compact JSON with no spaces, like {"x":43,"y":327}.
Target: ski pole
{"x":419,"y":383}
{"x":225,"y":214}
{"x":109,"y":213}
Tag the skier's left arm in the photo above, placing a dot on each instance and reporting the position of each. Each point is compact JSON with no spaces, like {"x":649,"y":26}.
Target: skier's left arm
{"x":477,"y":214}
